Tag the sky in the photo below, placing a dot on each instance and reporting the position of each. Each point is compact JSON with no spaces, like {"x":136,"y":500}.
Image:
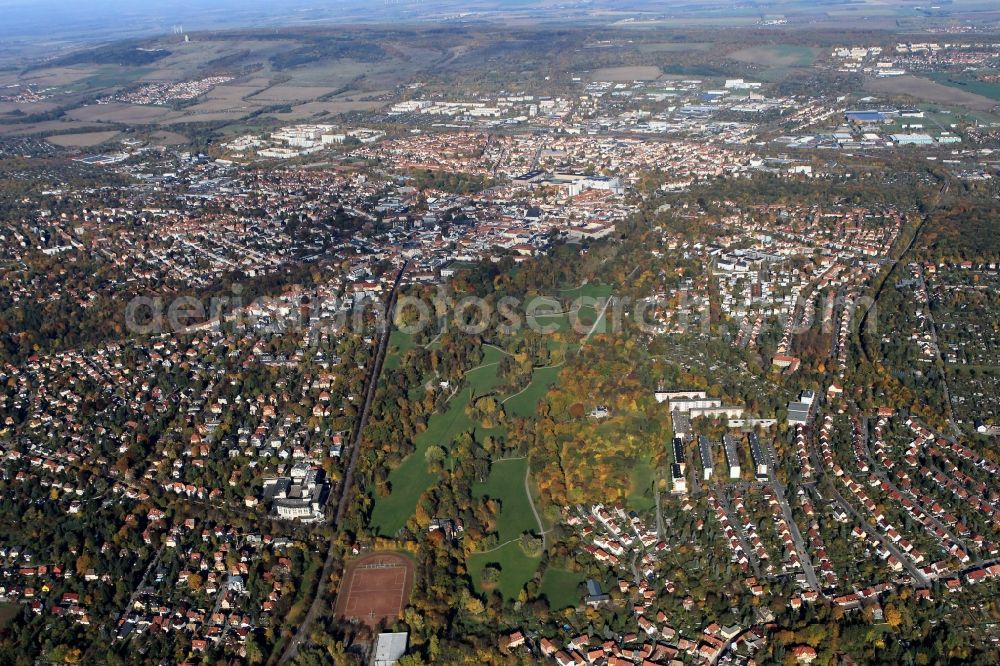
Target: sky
{"x":95,"y":20}
{"x":61,"y":22}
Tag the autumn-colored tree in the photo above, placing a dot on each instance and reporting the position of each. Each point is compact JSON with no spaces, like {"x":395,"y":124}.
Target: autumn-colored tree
{"x":83,"y":563}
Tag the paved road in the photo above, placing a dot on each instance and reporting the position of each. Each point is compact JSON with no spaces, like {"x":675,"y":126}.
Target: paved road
{"x":376,"y":369}
{"x":880,"y":473}
{"x":956,"y":431}
{"x":373,"y":377}
{"x":868,"y":353}
{"x":786,"y":511}
{"x":862,"y":521}
{"x":635,"y":570}
{"x":720,"y":495}
{"x":142,"y":583}
{"x":876,"y":534}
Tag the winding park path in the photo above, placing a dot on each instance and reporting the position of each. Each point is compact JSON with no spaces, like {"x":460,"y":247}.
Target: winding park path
{"x":531,"y":502}
{"x":541,"y":367}
{"x":335,"y":515}
{"x":527,"y":468}
{"x":534,"y":511}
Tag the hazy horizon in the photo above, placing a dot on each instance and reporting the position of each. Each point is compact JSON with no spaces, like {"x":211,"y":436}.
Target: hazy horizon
{"x":60,"y":20}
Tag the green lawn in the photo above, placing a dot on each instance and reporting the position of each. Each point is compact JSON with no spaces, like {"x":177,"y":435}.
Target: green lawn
{"x":563,"y":322}
{"x":587,"y":313}
{"x":506,"y":483}
{"x":484,"y":379}
{"x":592,"y":290}
{"x":516,"y":568}
{"x":559,"y":587}
{"x":640,"y":497}
{"x":551,"y":323}
{"x":399,"y":343}
{"x":412,"y":477}
{"x":523,"y":404}
{"x":302,"y":595}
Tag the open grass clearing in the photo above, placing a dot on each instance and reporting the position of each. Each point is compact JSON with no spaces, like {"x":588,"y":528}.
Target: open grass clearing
{"x":523,"y":403}
{"x":641,"y":496}
{"x":516,"y":568}
{"x":506,"y":484}
{"x":412,"y":477}
{"x":559,"y":586}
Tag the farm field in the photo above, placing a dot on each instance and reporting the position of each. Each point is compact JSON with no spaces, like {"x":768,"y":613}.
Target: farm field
{"x":315,"y":86}
{"x":84,"y":140}
{"x":928,"y":90}
{"x":778,"y":55}
{"x":26,"y":108}
{"x":688,"y":22}
{"x":164,"y":138}
{"x":54,"y":77}
{"x":291,"y":93}
{"x":311,"y":110}
{"x":775,"y":63}
{"x":123,"y":113}
{"x":974,"y":86}
{"x":105,"y":77}
{"x":674,"y":47}
{"x":636,"y":73}
{"x":48,"y":127}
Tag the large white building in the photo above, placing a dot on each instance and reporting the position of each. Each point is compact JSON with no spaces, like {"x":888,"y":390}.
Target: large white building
{"x":732,"y":455}
{"x":705,"y":447}
{"x":300,"y":496}
{"x":389,"y":648}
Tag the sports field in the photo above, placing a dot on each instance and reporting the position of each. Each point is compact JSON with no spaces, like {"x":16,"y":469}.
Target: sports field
{"x":375,"y":588}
